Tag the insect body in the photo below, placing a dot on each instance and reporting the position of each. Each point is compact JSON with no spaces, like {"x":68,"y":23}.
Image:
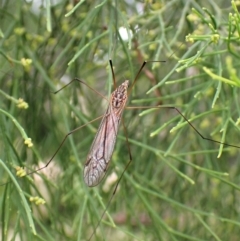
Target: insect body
{"x":102,"y":148}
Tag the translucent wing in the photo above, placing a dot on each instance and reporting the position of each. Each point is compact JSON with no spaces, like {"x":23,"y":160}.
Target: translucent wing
{"x":103,"y":145}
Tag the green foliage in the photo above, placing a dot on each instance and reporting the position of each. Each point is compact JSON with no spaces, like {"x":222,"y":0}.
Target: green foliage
{"x":178,"y":186}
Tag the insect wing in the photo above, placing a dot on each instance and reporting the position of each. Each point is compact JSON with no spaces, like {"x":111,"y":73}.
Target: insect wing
{"x":103,"y":145}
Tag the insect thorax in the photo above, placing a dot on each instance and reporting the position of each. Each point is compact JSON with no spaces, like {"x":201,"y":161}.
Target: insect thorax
{"x":119,"y":96}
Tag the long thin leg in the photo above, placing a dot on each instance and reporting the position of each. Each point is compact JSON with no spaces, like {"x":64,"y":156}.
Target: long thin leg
{"x":71,"y":132}
{"x":81,"y":82}
{"x":185,"y":118}
{"x":130,"y":155}
{"x":61,"y":144}
{"x":116,"y":186}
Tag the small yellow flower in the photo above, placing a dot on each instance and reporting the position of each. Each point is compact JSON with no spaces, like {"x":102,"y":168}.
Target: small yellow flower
{"x":215,"y":38}
{"x":28,"y":142}
{"x":37,"y":200}
{"x":22,"y":104}
{"x":26,"y":62}
{"x":193,"y":17}
{"x":189,"y":38}
{"x":20,"y":172}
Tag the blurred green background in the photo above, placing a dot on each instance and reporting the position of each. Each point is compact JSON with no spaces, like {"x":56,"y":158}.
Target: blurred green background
{"x":178,"y":186}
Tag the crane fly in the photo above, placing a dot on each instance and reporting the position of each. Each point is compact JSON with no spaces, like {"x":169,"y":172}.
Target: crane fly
{"x":102,"y":147}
